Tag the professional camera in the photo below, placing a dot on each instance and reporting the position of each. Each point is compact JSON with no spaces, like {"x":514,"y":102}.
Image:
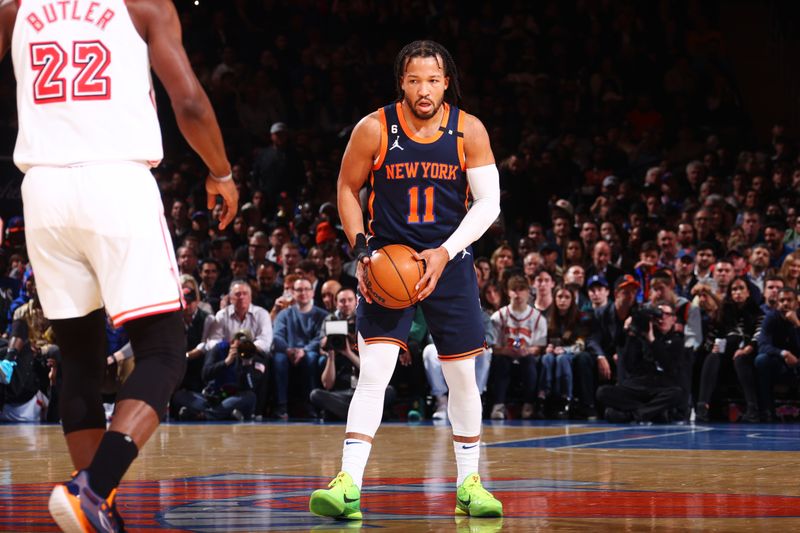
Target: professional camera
{"x":642,"y":317}
{"x":337,"y":331}
{"x":246,"y":347}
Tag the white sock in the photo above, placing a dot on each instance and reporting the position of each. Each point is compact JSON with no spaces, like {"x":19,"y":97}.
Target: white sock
{"x":354,"y":459}
{"x":467,"y":457}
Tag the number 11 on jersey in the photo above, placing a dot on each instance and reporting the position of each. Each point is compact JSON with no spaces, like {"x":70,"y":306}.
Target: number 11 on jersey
{"x":413,"y":206}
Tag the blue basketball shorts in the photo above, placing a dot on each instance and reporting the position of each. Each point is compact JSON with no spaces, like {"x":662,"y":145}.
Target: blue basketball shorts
{"x":452,"y":313}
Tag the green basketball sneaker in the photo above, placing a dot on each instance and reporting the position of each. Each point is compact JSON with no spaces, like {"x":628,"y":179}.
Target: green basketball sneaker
{"x":473,"y":500}
{"x":341,"y":499}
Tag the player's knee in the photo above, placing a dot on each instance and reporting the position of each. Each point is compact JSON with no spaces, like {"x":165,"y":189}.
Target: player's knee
{"x":159,"y":346}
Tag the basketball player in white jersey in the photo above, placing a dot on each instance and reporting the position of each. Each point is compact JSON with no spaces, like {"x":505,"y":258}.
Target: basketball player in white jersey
{"x":96,"y":234}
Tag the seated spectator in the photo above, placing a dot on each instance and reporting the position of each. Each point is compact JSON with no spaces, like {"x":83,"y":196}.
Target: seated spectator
{"x":520,"y":337}
{"x":296,"y":347}
{"x":601,"y":263}
{"x":652,"y":355}
{"x":286,"y":298}
{"x":773,"y":283}
{"x":565,"y":354}
{"x":685,"y":279}
{"x":644,"y":269}
{"x":597,"y":287}
{"x":774,"y":231}
{"x":543,"y":281}
{"x":758,"y":265}
{"x":662,"y":287}
{"x":734,"y":346}
{"x":198,"y":324}
{"x":238,"y":315}
{"x":492,"y":297}
{"x":340,"y":373}
{"x":502,"y":258}
{"x":329,"y":291}
{"x":334,"y":267}
{"x":575,"y":278}
{"x":232,"y":373}
{"x":308,"y":270}
{"x":790,"y":271}
{"x":778,"y":350}
{"x":210,"y":287}
{"x":705,"y":258}
{"x":30,"y":362}
{"x":607,"y":336}
{"x":721,"y":276}
{"x":269,"y":289}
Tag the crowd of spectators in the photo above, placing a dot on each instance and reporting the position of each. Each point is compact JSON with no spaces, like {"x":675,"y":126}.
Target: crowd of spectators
{"x":645,"y":264}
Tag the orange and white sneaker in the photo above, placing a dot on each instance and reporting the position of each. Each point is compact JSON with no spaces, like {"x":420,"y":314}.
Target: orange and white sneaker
{"x":76,"y":508}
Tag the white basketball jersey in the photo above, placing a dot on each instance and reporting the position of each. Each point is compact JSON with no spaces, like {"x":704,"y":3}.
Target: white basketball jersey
{"x":84,"y":91}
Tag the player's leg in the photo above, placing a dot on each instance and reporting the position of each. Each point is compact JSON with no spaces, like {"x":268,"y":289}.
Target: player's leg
{"x":455,"y":320}
{"x":342,"y":499}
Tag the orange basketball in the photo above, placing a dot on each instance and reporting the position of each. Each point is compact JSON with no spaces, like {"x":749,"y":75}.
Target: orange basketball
{"x":392,"y":273}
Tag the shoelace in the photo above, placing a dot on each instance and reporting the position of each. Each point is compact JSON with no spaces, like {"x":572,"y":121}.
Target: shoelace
{"x":339,"y":479}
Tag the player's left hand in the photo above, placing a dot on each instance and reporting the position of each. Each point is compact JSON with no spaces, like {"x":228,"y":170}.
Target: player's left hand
{"x":230,"y":199}
{"x":435,"y":261}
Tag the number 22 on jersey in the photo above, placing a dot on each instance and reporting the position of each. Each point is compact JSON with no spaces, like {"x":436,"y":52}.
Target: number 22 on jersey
{"x":413,"y":206}
{"x":91,"y":58}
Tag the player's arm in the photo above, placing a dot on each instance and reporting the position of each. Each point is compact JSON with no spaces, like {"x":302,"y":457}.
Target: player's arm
{"x":158,"y":24}
{"x":8,"y":15}
{"x":484,"y":183}
{"x":357,"y":163}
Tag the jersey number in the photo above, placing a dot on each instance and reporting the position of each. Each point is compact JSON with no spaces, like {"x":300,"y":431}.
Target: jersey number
{"x":413,"y":206}
{"x":91,"y":58}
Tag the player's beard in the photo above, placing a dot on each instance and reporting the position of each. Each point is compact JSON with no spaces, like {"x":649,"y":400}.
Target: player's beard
{"x":424,"y":116}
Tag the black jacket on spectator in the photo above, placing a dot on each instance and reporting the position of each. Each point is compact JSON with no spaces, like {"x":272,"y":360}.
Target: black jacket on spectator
{"x":193,"y":379}
{"x":658,"y":362}
{"x":778,"y":334}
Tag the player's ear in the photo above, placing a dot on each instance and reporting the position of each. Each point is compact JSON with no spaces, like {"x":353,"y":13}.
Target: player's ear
{"x":446,"y":82}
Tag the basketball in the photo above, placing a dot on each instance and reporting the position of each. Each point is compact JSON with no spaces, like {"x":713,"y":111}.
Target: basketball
{"x":392,"y":274}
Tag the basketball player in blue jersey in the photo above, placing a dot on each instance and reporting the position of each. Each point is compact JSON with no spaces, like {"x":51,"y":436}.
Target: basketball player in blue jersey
{"x":423,"y":158}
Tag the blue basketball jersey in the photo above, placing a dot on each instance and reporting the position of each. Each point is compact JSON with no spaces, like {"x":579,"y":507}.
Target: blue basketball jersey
{"x":418,"y":187}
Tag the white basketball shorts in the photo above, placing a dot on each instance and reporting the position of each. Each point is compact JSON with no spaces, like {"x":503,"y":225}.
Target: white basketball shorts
{"x":96,"y":236}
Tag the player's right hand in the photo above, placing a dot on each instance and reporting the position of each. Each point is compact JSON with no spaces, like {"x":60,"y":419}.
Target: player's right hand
{"x":230,"y":199}
{"x":361,"y":274}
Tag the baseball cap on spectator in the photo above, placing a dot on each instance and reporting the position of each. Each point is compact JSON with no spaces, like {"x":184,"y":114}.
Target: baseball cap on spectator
{"x":597,"y":279}
{"x":686,"y":255}
{"x":610,"y":181}
{"x":626,"y":281}
{"x":198,"y":215}
{"x":278,"y":127}
{"x":566,"y":206}
{"x":325,"y":232}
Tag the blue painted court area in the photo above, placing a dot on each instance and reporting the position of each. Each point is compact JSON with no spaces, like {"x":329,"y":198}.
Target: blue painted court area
{"x":765,"y":437}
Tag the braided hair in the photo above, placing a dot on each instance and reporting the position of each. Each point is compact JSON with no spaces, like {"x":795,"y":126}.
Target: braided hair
{"x":428,"y":49}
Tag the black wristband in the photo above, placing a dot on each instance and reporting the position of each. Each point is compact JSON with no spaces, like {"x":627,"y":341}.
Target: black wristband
{"x":360,"y":249}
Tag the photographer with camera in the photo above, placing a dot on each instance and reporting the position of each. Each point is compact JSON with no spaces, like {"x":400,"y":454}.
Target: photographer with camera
{"x":340,"y":346}
{"x":652,"y":355}
{"x":231,"y":383}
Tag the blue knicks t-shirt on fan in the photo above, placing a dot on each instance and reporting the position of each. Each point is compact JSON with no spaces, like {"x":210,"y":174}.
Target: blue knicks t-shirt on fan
{"x":419,"y":189}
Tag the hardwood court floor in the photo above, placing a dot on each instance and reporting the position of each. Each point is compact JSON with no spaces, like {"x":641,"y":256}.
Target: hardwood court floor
{"x":550,"y":477}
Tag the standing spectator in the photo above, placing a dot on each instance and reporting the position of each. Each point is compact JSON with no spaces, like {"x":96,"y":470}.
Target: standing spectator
{"x":278,"y":167}
{"x":778,"y":349}
{"x":296,"y":345}
{"x":520,"y":337}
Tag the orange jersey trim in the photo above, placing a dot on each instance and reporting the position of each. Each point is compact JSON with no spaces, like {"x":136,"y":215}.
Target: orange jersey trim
{"x":387,"y":340}
{"x":463,"y":355}
{"x":460,"y":141}
{"x":371,"y":201}
{"x":384,"y":140}
{"x":412,"y":136}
